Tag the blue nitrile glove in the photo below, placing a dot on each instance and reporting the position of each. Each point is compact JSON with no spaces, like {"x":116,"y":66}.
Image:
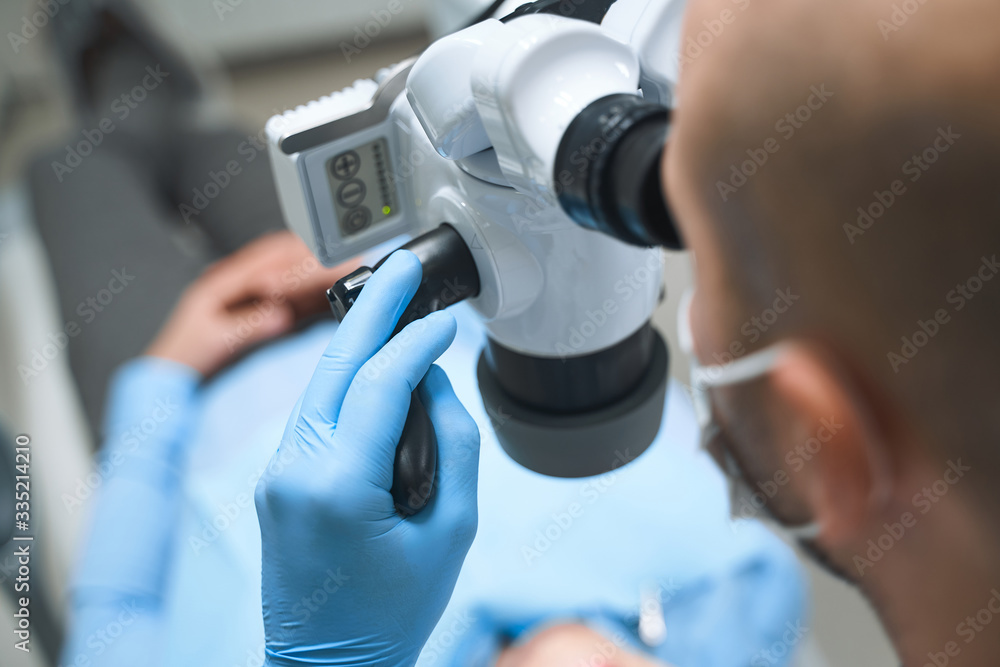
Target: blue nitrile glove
{"x":347,"y":580}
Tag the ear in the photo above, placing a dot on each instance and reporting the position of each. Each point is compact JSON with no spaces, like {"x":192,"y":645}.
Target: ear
{"x":846,"y":477}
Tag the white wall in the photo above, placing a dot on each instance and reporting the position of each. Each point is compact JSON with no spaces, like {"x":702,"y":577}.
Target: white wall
{"x":257,"y":29}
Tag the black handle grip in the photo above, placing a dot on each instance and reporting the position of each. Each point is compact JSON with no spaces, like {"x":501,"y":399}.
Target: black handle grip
{"x":416,"y":460}
{"x":449,"y":276}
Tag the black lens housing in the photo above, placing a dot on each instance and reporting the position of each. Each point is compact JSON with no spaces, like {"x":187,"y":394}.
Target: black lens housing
{"x":608,"y":169}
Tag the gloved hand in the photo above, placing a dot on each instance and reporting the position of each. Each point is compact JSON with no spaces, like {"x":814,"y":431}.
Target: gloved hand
{"x":346,"y":580}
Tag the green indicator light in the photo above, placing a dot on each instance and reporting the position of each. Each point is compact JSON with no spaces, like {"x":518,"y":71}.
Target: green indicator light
{"x":386,"y":210}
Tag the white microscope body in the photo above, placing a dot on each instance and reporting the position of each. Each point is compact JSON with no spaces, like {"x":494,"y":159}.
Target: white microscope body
{"x":468,"y":134}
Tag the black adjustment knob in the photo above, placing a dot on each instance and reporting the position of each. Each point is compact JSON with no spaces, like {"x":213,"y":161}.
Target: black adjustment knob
{"x":345,"y":292}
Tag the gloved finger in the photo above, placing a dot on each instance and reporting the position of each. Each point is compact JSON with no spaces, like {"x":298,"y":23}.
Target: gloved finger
{"x":458,"y":452}
{"x":364,"y":331}
{"x":282,"y":459}
{"x":375,"y":408}
{"x":290,"y":426}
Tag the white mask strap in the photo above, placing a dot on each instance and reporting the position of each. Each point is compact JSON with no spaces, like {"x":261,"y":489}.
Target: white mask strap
{"x":739,"y":370}
{"x":743,"y":369}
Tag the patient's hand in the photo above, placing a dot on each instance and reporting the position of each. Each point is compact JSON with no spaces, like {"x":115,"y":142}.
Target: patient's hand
{"x":255,"y":294}
{"x":571,"y":645}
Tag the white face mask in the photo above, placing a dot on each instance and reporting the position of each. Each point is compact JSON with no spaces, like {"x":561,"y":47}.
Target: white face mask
{"x":745,"y":368}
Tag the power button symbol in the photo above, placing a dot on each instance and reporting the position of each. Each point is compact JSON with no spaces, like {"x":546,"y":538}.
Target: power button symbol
{"x":357,"y":220}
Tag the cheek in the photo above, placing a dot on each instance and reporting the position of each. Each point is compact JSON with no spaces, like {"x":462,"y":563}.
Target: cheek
{"x":716,"y":342}
{"x":676,"y":186}
{"x":744,"y":430}
{"x":698,"y":11}
{"x":717,"y":448}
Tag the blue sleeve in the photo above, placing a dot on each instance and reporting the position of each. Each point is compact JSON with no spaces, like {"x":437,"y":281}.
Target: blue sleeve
{"x":117,"y":596}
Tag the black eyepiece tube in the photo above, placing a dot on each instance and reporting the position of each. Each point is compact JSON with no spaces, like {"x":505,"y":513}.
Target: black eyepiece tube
{"x":608,"y":167}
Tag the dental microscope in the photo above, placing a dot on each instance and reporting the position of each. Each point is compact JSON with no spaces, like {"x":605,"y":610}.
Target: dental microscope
{"x":522,"y":157}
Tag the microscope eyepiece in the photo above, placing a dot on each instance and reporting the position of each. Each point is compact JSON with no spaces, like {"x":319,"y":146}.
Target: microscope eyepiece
{"x":608,"y":168}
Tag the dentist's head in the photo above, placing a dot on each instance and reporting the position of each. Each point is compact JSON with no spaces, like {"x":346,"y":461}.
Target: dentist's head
{"x":833,"y":166}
